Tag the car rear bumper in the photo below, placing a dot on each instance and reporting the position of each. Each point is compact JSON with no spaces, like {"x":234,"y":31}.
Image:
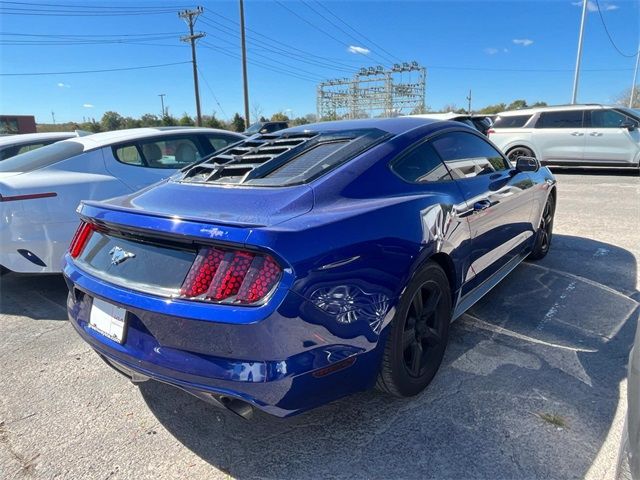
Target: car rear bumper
{"x":284,"y":357}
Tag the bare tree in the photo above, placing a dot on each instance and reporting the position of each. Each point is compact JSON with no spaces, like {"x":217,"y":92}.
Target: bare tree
{"x":623,"y":98}
{"x":256,"y":111}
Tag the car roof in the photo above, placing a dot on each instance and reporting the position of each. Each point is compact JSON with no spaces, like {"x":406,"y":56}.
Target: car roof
{"x":551,"y":108}
{"x":395,"y":125}
{"x":34,"y":137}
{"x":98,"y":140}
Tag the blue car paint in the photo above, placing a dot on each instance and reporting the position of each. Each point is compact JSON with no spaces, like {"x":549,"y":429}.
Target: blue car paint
{"x":359,"y":224}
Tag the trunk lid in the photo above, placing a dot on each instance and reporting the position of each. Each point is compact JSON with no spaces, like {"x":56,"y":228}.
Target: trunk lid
{"x":224,"y":205}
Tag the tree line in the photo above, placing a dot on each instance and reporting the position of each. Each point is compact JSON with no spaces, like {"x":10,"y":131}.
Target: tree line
{"x":114,"y":121}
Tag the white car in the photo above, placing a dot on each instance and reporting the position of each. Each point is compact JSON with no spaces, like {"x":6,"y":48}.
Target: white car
{"x":40,"y":190}
{"x":571,"y":135}
{"x":12,"y":145}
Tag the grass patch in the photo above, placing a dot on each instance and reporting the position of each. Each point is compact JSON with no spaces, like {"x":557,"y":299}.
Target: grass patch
{"x":553,"y":419}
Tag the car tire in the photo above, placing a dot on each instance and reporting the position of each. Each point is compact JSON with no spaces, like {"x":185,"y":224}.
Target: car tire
{"x":418,"y":334}
{"x":545,"y":231}
{"x":516,"y":152}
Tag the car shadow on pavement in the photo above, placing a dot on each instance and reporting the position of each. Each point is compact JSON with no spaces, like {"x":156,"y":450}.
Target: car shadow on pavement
{"x":528,"y":389}
{"x":40,"y":297}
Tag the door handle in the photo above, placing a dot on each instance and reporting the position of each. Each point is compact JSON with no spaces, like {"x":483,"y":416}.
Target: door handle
{"x":577,"y":134}
{"x":595,"y":134}
{"x":481,"y":205}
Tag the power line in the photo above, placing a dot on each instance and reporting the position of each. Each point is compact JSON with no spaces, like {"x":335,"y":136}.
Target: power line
{"x":81,"y":5}
{"x":357,"y":31}
{"x":609,"y":35}
{"x":90,"y":71}
{"x":82,"y":42}
{"x":294,"y":68}
{"x":281,"y":52}
{"x":332,"y":23}
{"x":65,"y":35}
{"x":321,"y":30}
{"x":212,"y":94}
{"x":269,"y":40}
{"x":274,"y":68}
{"x":78,"y":12}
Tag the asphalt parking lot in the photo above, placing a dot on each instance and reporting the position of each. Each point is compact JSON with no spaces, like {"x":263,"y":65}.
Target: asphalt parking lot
{"x":530,"y":387}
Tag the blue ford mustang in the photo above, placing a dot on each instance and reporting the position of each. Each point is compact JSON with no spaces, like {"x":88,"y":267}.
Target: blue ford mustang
{"x":297,"y":267}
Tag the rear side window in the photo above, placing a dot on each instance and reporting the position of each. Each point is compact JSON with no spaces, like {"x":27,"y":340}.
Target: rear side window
{"x":511,"y":121}
{"x":42,"y":157}
{"x":566,"y":119}
{"x":129,"y":155}
{"x":421,"y":165}
{"x":31,"y":146}
{"x":467,"y":155}
{"x":219,"y":142}
{"x":170,"y":153}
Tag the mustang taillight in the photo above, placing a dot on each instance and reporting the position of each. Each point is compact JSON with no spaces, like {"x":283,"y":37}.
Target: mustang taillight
{"x":236,"y":276}
{"x":80,"y":239}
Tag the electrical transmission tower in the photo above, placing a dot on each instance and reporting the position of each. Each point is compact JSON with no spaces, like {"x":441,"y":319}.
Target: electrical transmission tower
{"x":190,"y":17}
{"x":374,"y":91}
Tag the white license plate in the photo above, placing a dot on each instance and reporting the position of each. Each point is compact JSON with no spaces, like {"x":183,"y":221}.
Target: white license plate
{"x":108,"y":320}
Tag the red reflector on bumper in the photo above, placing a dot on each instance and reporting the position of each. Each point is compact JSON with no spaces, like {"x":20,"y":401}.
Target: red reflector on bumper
{"x":30,"y":196}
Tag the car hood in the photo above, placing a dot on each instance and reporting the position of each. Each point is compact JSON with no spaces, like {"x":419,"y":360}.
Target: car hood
{"x":227,"y":205}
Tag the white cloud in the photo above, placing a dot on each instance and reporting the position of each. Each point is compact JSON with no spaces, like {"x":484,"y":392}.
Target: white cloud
{"x":491,"y":51}
{"x":525,"y":42}
{"x":358,"y":50}
{"x":87,"y":105}
{"x":593,"y":6}
{"x":505,"y":50}
{"x":63,"y":85}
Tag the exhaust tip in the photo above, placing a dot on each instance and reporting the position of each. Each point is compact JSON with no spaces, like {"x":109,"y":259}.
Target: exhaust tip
{"x":240,"y":408}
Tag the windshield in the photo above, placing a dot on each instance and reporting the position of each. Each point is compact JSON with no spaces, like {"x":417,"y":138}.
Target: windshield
{"x":42,"y":157}
{"x":254,"y":128}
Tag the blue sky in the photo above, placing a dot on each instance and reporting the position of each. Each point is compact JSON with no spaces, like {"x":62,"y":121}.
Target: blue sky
{"x":502,"y":50}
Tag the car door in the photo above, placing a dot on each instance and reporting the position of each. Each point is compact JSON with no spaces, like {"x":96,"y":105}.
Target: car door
{"x":142,"y":162}
{"x":559,"y":136}
{"x":607,"y":141}
{"x":499,"y":201}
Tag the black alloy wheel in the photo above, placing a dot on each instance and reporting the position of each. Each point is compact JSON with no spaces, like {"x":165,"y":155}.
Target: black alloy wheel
{"x":419,"y":333}
{"x":519,"y":152}
{"x":545,"y":231}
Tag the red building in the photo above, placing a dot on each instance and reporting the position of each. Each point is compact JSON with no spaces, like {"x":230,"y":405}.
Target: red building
{"x":17,"y":124}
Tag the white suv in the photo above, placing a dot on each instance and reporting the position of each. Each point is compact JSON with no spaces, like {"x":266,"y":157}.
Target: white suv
{"x":580,"y":135}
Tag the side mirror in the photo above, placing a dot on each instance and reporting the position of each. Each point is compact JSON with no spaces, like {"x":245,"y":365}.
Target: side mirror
{"x":527,"y":164}
{"x":629,"y":125}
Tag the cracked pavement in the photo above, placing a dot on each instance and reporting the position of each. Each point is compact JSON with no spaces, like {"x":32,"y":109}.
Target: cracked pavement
{"x":551,"y":341}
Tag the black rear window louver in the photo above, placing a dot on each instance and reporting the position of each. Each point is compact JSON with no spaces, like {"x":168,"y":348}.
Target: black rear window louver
{"x":279,"y":159}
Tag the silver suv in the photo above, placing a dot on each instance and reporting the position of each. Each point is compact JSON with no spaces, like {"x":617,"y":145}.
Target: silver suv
{"x":571,"y":135}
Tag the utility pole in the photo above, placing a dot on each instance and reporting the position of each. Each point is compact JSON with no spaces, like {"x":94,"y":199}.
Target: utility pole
{"x":162,"y":95}
{"x":635,"y":78}
{"x":53,"y":116}
{"x":574,"y":96}
{"x":469,"y":100}
{"x":190,"y":16}
{"x":247,"y":121}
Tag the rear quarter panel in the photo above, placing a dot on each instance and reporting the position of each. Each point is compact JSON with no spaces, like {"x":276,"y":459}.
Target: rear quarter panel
{"x":45,"y":226}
